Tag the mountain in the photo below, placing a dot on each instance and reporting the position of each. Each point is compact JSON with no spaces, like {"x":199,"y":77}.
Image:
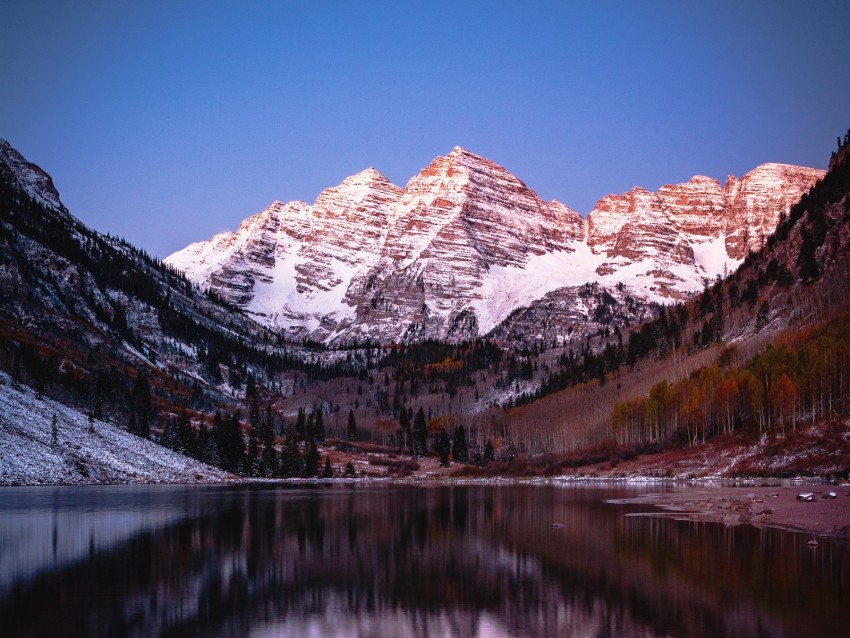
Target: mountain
{"x":761,"y":355}
{"x":57,"y":272}
{"x":99,"y":325}
{"x":466,"y":244}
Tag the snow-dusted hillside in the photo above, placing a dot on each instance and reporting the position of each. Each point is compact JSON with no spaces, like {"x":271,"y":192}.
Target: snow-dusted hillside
{"x":83,"y":314}
{"x":30,"y":179}
{"x":85,"y":452}
{"x":465,"y":243}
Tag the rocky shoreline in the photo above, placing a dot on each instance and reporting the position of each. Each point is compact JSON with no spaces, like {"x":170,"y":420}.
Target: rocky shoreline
{"x":761,"y":506}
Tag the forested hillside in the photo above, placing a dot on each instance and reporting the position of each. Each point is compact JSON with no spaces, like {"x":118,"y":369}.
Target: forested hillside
{"x":762,"y":351}
{"x":798,"y":285}
{"x":99,"y":325}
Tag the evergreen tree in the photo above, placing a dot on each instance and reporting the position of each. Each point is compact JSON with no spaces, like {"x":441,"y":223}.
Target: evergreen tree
{"x":420,"y":434}
{"x":460,"y":452}
{"x":232,"y":448}
{"x":301,"y":425}
{"x":328,"y":473}
{"x":140,"y":406}
{"x":169,"y":436}
{"x":252,"y":456}
{"x":54,"y":432}
{"x":187,"y":442}
{"x":352,"y":426}
{"x":310,"y":427}
{"x":488,"y":451}
{"x":206,"y":445}
{"x":290,"y":457}
{"x":218,"y":436}
{"x":349,"y":469}
{"x":98,"y":405}
{"x":311,"y":459}
{"x":442,"y":446}
{"x":396,"y":407}
{"x":319,"y":425}
{"x":252,"y":460}
{"x":268,"y":461}
{"x":807,"y":260}
{"x":404,"y":430}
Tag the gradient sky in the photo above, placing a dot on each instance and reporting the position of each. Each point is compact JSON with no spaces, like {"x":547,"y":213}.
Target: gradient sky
{"x":167,"y":122}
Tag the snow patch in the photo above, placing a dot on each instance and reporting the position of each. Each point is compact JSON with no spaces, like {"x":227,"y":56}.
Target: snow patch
{"x":712,"y":257}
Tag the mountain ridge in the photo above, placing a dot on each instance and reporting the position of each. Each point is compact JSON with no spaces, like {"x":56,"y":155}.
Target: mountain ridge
{"x":466,"y":242}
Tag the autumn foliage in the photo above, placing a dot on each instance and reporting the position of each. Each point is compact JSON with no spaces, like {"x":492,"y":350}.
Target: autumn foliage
{"x":776,"y":390}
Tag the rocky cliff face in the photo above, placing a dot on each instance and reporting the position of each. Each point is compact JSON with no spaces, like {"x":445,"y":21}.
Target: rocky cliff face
{"x":699,"y":226}
{"x":465,"y":243}
{"x":755,"y":203}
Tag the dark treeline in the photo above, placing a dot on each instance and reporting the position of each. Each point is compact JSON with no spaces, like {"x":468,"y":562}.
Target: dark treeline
{"x":450,"y":362}
{"x":428,"y":362}
{"x":250,"y":449}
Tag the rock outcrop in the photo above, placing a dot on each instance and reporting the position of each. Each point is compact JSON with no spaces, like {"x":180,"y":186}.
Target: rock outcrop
{"x":29,"y":178}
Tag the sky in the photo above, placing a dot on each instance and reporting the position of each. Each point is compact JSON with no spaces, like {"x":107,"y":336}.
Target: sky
{"x":168,"y":122}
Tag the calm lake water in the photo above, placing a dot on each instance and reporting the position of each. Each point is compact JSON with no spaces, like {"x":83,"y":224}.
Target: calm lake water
{"x":397,"y":561}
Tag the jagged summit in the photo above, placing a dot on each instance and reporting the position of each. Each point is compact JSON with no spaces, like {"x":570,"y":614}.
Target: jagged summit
{"x":466,"y":156}
{"x":459,"y":165}
{"x":466,"y":242}
{"x":366,"y":176}
{"x":460,"y":151}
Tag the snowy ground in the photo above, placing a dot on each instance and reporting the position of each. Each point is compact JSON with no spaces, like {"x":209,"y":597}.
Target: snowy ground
{"x":84,"y":454}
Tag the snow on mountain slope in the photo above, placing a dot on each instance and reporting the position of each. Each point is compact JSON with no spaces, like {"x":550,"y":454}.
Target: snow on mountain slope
{"x":459,"y":219}
{"x":466,"y":242}
{"x":96,"y":453}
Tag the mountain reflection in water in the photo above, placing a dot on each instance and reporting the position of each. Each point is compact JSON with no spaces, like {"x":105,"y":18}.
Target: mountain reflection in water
{"x":399,"y":561}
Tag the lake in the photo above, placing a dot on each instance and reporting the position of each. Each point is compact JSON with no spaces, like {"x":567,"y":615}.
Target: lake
{"x":398,"y":561}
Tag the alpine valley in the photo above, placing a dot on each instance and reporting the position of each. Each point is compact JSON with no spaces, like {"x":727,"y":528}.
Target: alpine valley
{"x":458,"y":325}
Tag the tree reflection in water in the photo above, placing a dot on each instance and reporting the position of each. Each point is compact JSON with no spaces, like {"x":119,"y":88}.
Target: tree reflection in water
{"x":418,"y":561}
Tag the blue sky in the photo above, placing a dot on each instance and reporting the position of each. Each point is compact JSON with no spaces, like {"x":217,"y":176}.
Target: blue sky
{"x":166,"y":122}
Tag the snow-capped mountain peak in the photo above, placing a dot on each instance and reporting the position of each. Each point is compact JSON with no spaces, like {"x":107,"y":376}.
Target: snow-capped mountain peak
{"x":466,"y":242}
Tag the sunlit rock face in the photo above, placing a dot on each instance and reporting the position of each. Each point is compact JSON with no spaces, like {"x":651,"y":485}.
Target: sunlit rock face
{"x":699,"y":226}
{"x":755,"y":203}
{"x":465,"y":243}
